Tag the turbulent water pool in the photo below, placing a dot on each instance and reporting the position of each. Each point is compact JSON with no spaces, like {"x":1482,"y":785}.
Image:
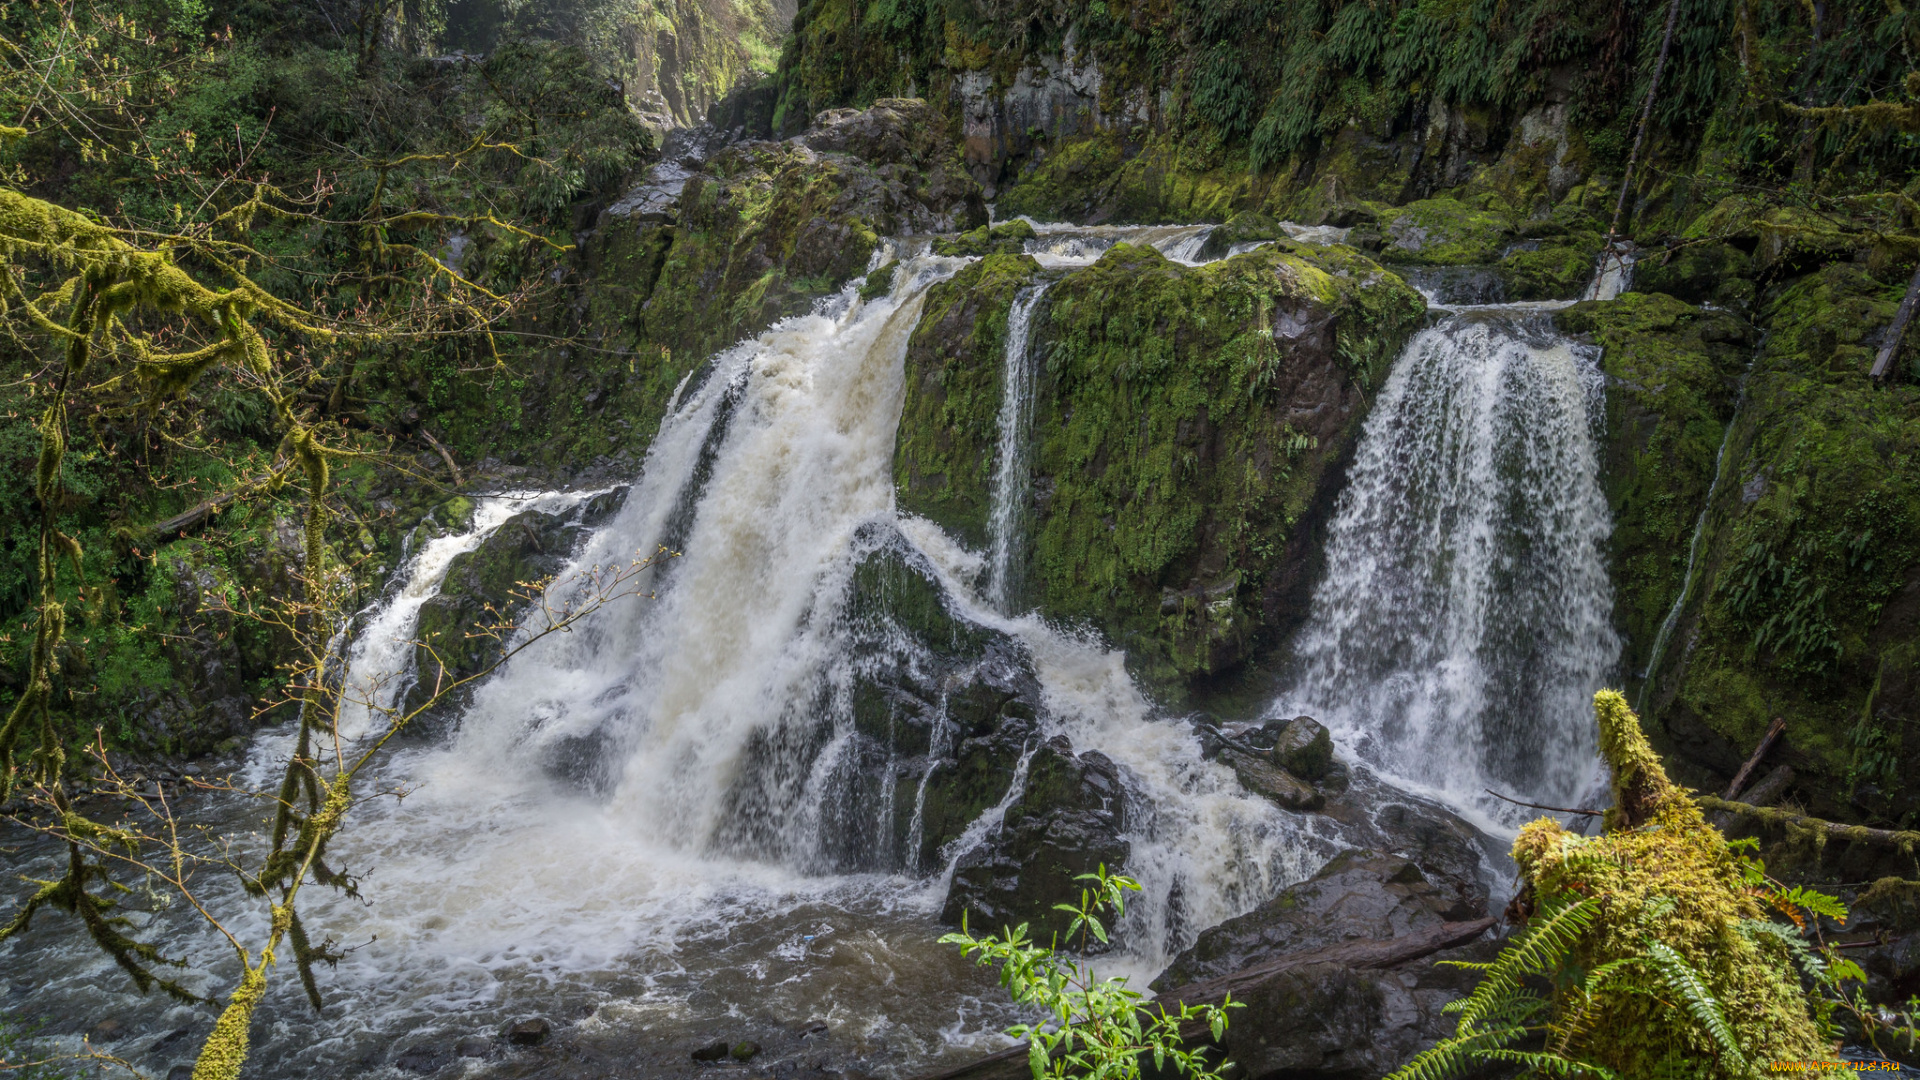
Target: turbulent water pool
{"x":645,"y":906}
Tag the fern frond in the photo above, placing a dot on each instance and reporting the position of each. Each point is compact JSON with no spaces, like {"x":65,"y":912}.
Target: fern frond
{"x":1546,"y":941}
{"x":1453,"y":1057}
{"x":1695,"y":996}
{"x":1548,"y":1064}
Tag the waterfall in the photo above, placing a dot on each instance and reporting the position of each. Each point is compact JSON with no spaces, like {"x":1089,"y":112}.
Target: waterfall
{"x":1613,"y":274}
{"x":380,"y":660}
{"x":1465,"y":617}
{"x":1011,"y":477}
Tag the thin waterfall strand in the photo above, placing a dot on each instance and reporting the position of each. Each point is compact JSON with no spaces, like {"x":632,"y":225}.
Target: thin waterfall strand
{"x":1012,"y":473}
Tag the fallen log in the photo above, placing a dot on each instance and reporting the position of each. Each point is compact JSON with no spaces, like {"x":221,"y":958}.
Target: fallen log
{"x":1766,"y":743}
{"x":197,"y":515}
{"x":444,"y":456}
{"x":1901,"y":839}
{"x":1891,"y":345}
{"x":1364,"y":954}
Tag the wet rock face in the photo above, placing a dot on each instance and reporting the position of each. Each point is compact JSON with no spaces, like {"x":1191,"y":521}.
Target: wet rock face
{"x":940,"y":709}
{"x":1068,"y":820}
{"x":487,"y":587}
{"x":1360,"y":894}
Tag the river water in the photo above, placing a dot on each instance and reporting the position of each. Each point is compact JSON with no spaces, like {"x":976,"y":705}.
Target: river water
{"x":629,"y":832}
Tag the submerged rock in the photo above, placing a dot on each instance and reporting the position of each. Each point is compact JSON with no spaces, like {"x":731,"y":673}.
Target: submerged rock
{"x":529,"y":1032}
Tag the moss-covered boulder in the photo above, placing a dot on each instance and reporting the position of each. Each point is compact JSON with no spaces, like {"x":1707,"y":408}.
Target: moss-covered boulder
{"x":945,"y":457}
{"x":1807,"y":602}
{"x":1672,"y":374}
{"x":1189,"y":423}
{"x":463,"y":630}
{"x":1006,"y":238}
{"x":940,"y":709}
{"x":1068,"y":820}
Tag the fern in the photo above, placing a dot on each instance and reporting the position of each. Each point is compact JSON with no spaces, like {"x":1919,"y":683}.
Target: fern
{"x":1453,"y":1057}
{"x":1538,"y":949}
{"x":1545,"y":1064}
{"x":1695,"y":997}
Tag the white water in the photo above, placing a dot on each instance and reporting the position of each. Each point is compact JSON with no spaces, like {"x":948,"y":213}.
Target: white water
{"x":1613,"y":274}
{"x":623,"y":801}
{"x":1465,"y":618}
{"x":380,"y":661}
{"x":635,"y":814}
{"x":1011,"y":477}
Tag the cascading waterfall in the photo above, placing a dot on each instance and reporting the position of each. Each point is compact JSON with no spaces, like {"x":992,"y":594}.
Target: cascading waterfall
{"x":1010,"y":477}
{"x":649,"y":816}
{"x":1465,"y":618}
{"x":380,"y":661}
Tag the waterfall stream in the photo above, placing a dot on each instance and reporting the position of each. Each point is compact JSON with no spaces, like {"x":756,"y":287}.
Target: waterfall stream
{"x":655,"y":825}
{"x":1465,"y":619}
{"x":1010,"y":476}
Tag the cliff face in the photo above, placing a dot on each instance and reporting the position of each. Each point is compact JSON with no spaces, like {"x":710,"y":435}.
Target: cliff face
{"x":673,"y":58}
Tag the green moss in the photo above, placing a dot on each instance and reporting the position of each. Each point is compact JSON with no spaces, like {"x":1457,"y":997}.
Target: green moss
{"x":945,"y":458}
{"x":1006,"y":238}
{"x":1661,"y":874}
{"x":1672,"y":372}
{"x":1810,"y":552}
{"x":1443,"y":232}
{"x":1171,"y":473}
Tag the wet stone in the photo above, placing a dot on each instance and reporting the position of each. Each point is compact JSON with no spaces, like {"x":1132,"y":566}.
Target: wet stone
{"x":169,"y":1040}
{"x":421,"y":1060}
{"x":1303,"y":747}
{"x":107,"y":1030}
{"x":713,"y":1051}
{"x":473,"y":1046}
{"x":745,"y":1051}
{"x":529,"y":1032}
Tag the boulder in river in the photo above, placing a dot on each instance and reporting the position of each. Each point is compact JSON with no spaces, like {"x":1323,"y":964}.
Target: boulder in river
{"x":1303,"y":747}
{"x":1359,"y":894}
{"x":1068,"y":820}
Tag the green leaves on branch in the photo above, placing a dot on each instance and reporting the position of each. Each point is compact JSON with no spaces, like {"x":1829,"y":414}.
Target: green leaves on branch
{"x":1098,"y":1027}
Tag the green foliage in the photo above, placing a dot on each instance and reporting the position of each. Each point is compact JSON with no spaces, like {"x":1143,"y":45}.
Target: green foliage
{"x":1098,"y":1027}
{"x":22,"y":1057}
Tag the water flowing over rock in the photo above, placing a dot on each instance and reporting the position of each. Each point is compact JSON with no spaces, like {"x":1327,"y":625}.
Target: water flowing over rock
{"x":1466,"y":615}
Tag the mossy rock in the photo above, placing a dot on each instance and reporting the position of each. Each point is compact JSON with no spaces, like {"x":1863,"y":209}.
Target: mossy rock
{"x":1699,"y":274}
{"x":1188,"y":420}
{"x":1807,"y":605}
{"x":1006,"y":238}
{"x":1672,"y":378}
{"x":462,"y":629}
{"x":941,"y":708}
{"x":1069,"y":819}
{"x":1443,"y":232}
{"x":947,"y":451}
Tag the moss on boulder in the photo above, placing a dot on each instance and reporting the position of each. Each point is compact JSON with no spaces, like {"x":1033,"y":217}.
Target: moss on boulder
{"x":945,"y":458}
{"x":1189,"y":425}
{"x":1672,"y":375}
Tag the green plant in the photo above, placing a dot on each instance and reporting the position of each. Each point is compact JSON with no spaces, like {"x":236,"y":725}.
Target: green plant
{"x":1098,"y":1028}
